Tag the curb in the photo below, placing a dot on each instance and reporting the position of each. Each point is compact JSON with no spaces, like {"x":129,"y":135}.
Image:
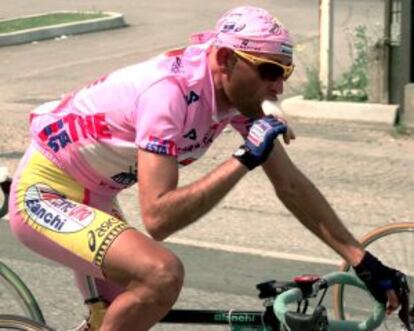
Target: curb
{"x":112,"y":21}
{"x":335,"y":110}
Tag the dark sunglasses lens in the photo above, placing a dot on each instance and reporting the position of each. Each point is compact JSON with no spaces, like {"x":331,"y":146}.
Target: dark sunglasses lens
{"x":270,"y":72}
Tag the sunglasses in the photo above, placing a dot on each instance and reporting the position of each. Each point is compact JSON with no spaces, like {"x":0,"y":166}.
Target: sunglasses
{"x":268,"y":70}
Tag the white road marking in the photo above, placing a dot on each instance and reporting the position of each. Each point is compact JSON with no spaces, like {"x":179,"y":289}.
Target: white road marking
{"x":254,"y":251}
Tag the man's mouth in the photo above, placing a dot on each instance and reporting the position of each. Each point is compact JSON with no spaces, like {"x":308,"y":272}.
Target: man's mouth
{"x":271,"y":97}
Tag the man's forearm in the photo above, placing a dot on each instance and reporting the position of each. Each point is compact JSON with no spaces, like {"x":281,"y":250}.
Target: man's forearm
{"x":306,"y":202}
{"x":178,"y":208}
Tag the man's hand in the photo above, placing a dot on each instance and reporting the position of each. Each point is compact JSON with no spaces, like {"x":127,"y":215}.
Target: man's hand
{"x":259,"y":142}
{"x":387,"y":285}
{"x":289,"y":134}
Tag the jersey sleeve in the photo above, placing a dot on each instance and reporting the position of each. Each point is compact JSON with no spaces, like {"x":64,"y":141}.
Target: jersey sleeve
{"x":159,"y":118}
{"x":242,"y":124}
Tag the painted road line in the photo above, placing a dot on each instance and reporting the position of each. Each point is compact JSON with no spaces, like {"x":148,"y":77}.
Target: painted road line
{"x":254,"y":251}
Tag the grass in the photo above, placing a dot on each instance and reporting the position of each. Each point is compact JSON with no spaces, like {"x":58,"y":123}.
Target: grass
{"x":45,"y":20}
{"x":402,"y":130}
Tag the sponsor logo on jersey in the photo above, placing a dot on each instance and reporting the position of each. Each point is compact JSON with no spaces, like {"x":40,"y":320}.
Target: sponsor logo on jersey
{"x":126,"y":178}
{"x":54,"y":211}
{"x":72,"y":128}
{"x":192,"y":97}
{"x":192,"y":134}
{"x":161,"y":146}
{"x":189,"y":148}
{"x":177,"y":65}
{"x":205,"y":142}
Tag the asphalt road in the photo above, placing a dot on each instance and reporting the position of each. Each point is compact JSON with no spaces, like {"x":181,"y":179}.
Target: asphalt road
{"x":215,"y":279}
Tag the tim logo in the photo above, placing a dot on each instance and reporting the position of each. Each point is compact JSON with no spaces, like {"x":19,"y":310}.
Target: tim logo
{"x":161,"y":146}
{"x":192,"y":97}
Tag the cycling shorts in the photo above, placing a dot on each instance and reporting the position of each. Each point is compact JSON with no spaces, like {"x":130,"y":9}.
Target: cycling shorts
{"x":60,"y":219}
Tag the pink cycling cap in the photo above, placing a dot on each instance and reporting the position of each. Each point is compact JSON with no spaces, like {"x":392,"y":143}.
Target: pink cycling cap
{"x":250,"y":29}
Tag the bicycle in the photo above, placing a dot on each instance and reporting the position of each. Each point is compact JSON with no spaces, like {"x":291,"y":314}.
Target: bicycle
{"x":393,"y":243}
{"x":33,"y":312}
{"x":276,"y":316}
{"x":278,"y":298}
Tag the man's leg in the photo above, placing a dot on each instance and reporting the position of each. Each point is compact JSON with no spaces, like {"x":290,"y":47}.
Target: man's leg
{"x":151,"y":275}
{"x":49,"y":214}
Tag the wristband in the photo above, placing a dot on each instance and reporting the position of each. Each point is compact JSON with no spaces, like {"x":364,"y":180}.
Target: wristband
{"x":245,"y":157}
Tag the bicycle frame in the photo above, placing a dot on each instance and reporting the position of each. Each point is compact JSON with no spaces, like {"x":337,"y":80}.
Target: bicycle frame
{"x":237,"y":320}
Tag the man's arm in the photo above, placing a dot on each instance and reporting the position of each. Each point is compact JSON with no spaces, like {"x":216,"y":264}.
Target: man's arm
{"x":310,"y":207}
{"x":305,"y":201}
{"x":165,"y":208}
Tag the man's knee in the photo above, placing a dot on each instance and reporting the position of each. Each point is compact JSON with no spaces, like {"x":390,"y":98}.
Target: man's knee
{"x":167,"y":273}
{"x":164,"y":276}
{"x":148,"y":272}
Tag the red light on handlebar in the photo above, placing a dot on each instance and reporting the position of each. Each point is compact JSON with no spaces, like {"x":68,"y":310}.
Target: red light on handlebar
{"x":306,"y":279}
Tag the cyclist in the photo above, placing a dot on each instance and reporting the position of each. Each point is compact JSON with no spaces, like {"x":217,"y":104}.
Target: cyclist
{"x":140,"y":124}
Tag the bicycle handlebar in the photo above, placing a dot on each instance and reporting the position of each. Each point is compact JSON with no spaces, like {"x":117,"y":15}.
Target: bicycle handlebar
{"x":294,"y":321}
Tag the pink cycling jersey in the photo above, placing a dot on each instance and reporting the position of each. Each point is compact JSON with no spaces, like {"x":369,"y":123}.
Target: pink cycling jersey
{"x":164,"y":105}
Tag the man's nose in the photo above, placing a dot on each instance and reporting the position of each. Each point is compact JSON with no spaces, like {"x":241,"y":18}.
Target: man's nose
{"x":278,"y":85}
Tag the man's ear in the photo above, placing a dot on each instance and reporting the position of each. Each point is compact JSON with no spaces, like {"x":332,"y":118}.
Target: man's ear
{"x":225,"y":59}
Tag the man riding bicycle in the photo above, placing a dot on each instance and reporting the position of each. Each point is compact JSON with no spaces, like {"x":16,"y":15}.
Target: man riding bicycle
{"x":140,"y":124}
